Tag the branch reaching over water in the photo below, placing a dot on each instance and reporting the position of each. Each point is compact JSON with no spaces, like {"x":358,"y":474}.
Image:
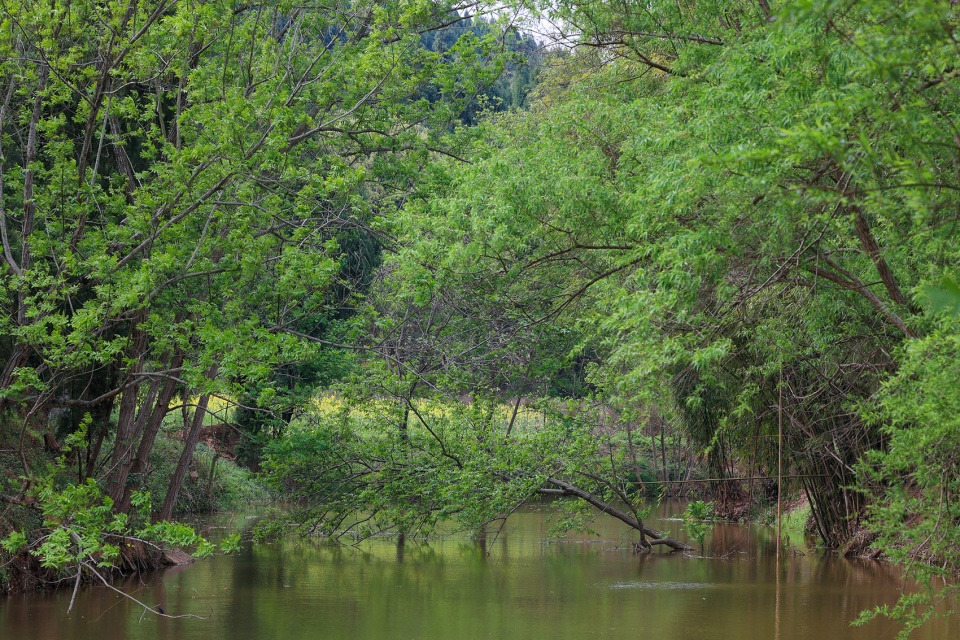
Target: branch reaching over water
{"x":655,"y":537}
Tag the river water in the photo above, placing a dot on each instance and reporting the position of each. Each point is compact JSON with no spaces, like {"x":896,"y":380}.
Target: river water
{"x":524,"y":586}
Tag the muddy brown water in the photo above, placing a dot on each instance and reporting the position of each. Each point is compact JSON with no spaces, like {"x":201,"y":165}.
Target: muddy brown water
{"x":525,"y":586}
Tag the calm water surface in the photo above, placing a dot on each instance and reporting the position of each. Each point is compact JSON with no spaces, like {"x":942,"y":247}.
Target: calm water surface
{"x":525,"y":587}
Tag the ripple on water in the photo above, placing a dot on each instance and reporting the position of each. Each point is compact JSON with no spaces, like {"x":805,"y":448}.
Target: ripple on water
{"x":659,"y":585}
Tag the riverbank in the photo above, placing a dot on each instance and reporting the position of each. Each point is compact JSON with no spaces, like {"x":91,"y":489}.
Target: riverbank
{"x":35,"y":513}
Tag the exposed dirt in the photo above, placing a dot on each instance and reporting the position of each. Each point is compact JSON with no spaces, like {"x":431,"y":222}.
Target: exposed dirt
{"x":24,"y":573}
{"x":222,"y":438}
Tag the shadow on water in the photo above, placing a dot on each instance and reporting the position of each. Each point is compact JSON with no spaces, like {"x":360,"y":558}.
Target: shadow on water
{"x":519,"y":584}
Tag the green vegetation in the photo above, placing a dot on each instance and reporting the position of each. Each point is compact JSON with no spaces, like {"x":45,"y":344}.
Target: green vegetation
{"x":627,"y":263}
{"x":83,"y":536}
{"x":191,"y":200}
{"x":695,"y":520}
{"x":450,"y":465}
{"x":796,"y":522}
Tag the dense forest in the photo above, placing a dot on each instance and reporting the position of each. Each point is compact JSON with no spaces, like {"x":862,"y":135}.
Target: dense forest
{"x":427,"y":260}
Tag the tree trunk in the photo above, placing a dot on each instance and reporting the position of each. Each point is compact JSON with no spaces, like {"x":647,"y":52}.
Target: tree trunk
{"x":21,"y":351}
{"x":513,"y":416}
{"x":653,"y":449}
{"x":663,"y":458}
{"x":870,"y":246}
{"x":99,"y":426}
{"x":216,"y":456}
{"x":186,"y":457}
{"x":633,"y":458}
{"x":152,"y":427}
{"x":123,"y":447}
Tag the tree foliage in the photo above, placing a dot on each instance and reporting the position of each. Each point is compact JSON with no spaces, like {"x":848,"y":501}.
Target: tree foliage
{"x":739,"y":210}
{"x":189,"y":202}
{"x":736,"y":209}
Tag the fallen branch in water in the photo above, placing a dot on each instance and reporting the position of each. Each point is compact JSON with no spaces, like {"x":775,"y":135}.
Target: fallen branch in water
{"x":655,"y":537}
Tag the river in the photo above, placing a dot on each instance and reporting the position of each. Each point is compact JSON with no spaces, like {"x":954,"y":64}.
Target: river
{"x":525,"y":586}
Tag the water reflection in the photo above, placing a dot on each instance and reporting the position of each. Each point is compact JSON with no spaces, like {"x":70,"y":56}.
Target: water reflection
{"x":520,"y":586}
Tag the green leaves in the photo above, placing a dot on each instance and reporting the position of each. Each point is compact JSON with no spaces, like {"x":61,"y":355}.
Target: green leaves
{"x":79,"y":519}
{"x":912,"y":478}
{"x":695,"y":519}
{"x":357,"y":472}
{"x":81,"y":530}
{"x":730,"y":216}
{"x":944,"y":298}
{"x":212,"y":165}
{"x":14,"y":542}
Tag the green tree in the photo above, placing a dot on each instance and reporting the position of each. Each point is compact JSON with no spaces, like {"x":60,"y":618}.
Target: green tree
{"x":739,"y":207}
{"x":176,"y":179}
{"x":737,"y":214}
{"x":182,"y":188}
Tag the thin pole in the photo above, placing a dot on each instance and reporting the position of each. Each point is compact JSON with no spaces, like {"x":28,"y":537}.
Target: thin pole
{"x":779,"y":463}
{"x":776,"y":614}
{"x":776,"y":610}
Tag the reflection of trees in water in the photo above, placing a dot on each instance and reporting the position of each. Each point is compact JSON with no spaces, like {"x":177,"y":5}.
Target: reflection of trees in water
{"x":262,"y":565}
{"x":100,"y":611}
{"x":151,"y":588}
{"x":523,"y":588}
{"x":728,"y":540}
{"x":857,"y":572}
{"x":39,"y":614}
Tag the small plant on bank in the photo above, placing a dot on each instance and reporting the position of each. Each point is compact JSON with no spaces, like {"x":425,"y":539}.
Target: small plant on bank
{"x":82,"y":537}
